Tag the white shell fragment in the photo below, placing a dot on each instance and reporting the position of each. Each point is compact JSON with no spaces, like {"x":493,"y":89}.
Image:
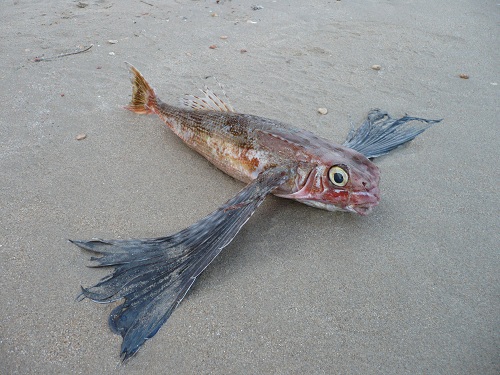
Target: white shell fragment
{"x":322,"y":111}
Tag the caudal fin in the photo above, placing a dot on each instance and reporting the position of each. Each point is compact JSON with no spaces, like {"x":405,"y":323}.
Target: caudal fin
{"x":143,"y":96}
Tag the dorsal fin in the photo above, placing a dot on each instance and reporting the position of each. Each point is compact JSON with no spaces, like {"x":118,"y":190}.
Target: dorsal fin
{"x":209,"y":102}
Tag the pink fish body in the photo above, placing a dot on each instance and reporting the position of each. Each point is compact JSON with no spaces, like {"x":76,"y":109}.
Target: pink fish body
{"x":323,"y":174}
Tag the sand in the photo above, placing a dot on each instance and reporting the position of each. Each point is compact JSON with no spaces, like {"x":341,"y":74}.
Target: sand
{"x":412,"y":288}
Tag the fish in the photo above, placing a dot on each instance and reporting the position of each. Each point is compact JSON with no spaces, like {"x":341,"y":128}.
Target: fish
{"x":152,"y":275}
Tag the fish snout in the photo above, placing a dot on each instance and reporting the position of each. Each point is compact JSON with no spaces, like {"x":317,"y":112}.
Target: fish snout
{"x":362,"y":202}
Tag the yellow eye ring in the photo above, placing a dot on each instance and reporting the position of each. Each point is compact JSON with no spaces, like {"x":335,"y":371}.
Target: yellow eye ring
{"x":338,"y":176}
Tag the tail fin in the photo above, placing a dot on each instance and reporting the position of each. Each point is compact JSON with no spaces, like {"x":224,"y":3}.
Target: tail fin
{"x":144,"y":99}
{"x":153,"y":275}
{"x":380,"y":133}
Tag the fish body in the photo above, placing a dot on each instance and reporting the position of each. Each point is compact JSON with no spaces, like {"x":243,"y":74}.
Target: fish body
{"x":152,"y":275}
{"x":243,"y":146}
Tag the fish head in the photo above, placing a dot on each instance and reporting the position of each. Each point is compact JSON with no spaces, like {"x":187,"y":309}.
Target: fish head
{"x":338,"y":180}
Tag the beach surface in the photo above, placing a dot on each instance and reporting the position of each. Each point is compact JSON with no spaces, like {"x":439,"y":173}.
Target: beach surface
{"x":413,"y":288}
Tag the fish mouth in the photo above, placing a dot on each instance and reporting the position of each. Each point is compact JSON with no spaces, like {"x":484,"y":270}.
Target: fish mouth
{"x":362,"y":203}
{"x":361,"y":209}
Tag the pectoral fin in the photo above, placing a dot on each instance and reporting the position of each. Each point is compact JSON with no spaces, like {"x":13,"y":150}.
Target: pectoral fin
{"x":153,"y":275}
{"x":380,"y":133}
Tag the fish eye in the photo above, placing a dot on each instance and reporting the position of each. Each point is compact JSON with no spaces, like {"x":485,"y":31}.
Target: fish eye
{"x":338,"y":176}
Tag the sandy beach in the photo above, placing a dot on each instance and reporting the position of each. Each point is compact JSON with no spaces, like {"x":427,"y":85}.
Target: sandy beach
{"x":413,"y":288}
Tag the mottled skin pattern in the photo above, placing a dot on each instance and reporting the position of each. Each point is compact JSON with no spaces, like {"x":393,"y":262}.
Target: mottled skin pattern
{"x":244,"y":145}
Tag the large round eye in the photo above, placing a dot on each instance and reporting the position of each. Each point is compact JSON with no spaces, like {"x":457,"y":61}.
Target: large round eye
{"x":338,"y":176}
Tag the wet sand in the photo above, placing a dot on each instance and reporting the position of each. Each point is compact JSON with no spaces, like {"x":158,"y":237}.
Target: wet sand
{"x":412,"y":288}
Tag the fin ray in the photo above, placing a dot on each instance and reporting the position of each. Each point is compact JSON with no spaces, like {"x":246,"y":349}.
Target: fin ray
{"x":210,"y":101}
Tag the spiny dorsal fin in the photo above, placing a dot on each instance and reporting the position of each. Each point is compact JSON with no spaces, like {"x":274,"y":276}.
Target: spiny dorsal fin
{"x":209,"y":102}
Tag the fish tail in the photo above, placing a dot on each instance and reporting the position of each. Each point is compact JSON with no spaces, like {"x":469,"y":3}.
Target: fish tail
{"x":144,"y":100}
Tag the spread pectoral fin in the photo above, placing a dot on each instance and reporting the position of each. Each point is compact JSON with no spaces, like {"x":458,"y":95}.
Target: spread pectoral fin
{"x":153,"y":275}
{"x":380,"y":133}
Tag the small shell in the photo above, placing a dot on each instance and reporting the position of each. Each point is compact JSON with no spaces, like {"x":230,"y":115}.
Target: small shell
{"x":223,"y":36}
{"x":81,"y":137}
{"x":112,"y":41}
{"x":464,"y":76}
{"x":322,"y":111}
{"x":213,"y":46}
{"x":376,"y":67}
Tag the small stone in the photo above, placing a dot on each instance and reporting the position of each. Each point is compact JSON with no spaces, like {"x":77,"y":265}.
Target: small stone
{"x":62,"y":94}
{"x":376,"y":67}
{"x":112,"y":41}
{"x":243,"y":50}
{"x":213,"y":46}
{"x":493,"y":83}
{"x":464,"y":76}
{"x":189,"y":54}
{"x":214,"y":14}
{"x":257,"y":7}
{"x":81,"y":137}
{"x":223,"y":37}
{"x":322,"y":111}
{"x":111,"y":53}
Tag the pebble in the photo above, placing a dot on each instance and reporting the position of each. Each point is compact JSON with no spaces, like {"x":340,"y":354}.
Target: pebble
{"x":223,"y":36}
{"x":464,"y":76}
{"x":376,"y":67}
{"x":112,"y":41}
{"x":243,"y":50}
{"x":81,"y":137}
{"x":322,"y":111}
{"x":213,"y":46}
{"x":111,"y":53}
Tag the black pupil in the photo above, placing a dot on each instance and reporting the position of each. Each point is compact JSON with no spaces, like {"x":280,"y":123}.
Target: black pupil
{"x":338,"y":177}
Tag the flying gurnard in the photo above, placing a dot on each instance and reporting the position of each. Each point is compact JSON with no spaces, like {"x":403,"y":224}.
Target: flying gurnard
{"x":153,"y":275}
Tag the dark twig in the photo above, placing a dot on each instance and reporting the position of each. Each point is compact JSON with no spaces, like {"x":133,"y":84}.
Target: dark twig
{"x":38,"y":59}
{"x":142,"y":1}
